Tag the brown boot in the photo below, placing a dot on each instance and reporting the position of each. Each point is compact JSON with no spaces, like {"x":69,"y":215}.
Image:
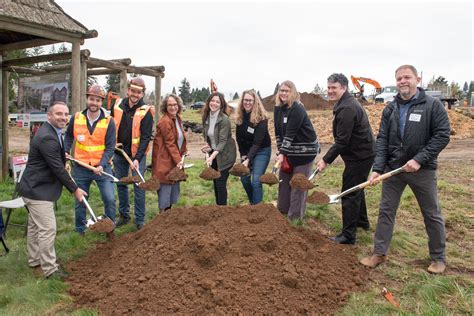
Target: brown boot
{"x":437,"y":267}
{"x":373,"y":260}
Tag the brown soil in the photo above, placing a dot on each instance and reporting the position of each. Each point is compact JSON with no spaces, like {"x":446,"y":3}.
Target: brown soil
{"x":269,"y":178}
{"x":301,"y":182}
{"x":210,"y":174}
{"x":176,"y":174}
{"x":310,"y":101}
{"x":130,"y":179}
{"x":151,"y":184}
{"x":217,"y":260}
{"x":318,"y":198}
{"x":103,"y":226}
{"x":239,"y":170}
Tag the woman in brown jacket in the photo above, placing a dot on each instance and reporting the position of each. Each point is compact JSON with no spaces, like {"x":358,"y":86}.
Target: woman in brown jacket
{"x":169,"y":146}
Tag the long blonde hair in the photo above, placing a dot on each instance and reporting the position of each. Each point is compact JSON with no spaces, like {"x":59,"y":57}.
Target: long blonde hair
{"x":258,"y":113}
{"x":293,"y":95}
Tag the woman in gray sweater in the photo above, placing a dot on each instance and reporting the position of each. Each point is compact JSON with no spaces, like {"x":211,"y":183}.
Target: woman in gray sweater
{"x":220,"y":144}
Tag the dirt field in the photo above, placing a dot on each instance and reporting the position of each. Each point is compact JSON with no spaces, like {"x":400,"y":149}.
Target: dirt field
{"x":261,"y":265}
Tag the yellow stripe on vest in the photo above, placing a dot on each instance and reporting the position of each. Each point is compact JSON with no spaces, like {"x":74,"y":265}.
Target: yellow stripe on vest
{"x":90,"y":148}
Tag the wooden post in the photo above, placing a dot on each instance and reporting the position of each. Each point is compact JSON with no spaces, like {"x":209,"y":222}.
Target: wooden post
{"x":4,"y":124}
{"x":157,"y":98}
{"x":76,"y":77}
{"x":83,"y":84}
{"x":1,"y":119}
{"x":123,"y":84}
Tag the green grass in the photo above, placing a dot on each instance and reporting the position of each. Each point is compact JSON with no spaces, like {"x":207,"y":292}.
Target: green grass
{"x":21,"y":293}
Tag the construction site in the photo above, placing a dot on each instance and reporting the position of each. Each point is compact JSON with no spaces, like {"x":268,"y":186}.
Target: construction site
{"x":200,"y":258}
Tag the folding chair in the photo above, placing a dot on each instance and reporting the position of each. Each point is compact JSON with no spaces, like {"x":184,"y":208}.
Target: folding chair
{"x":15,"y":203}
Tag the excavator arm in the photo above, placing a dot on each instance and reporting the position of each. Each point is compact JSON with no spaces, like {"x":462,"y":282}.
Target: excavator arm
{"x":356,"y":80}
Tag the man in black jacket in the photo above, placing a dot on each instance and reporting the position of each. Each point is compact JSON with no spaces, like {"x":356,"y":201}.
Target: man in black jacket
{"x":41,"y":185}
{"x":413,"y":131}
{"x":355,"y":143}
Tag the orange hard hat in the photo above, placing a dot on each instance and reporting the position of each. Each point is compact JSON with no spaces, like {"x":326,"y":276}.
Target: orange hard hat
{"x":137,"y":83}
{"x":96,"y":90}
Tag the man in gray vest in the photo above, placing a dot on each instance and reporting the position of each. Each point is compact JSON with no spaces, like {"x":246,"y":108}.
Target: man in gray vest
{"x":413,"y":131}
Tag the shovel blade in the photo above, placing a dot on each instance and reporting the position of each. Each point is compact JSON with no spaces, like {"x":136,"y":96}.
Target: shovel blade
{"x":333,"y":199}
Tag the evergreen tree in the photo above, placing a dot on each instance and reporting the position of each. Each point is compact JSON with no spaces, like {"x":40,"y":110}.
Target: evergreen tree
{"x":236,"y":96}
{"x":258,"y":93}
{"x":112,"y":83}
{"x":13,"y":76}
{"x":185,"y":91}
{"x":465,"y":88}
{"x":174,"y":90}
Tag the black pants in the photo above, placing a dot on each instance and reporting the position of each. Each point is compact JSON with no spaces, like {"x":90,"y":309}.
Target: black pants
{"x":220,"y":185}
{"x":354,"y":209}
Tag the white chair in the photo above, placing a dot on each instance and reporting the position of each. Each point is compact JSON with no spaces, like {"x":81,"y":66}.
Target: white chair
{"x":15,"y":203}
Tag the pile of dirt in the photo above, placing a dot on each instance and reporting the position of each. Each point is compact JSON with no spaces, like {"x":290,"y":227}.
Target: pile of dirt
{"x":130,"y":179}
{"x":217,"y":260}
{"x":151,"y":184}
{"x":176,"y":175}
{"x":462,"y":126}
{"x":311,"y":101}
{"x":300,"y":181}
{"x":103,"y":226}
{"x":269,"y":178}
{"x":210,"y":174}
{"x":239,"y":170}
{"x":318,"y":197}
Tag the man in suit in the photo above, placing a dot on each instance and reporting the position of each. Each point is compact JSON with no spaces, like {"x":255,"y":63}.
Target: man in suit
{"x":41,"y":185}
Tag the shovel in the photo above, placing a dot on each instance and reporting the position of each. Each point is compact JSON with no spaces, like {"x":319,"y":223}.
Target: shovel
{"x":335,"y":198}
{"x":130,"y":162}
{"x":209,"y":173}
{"x":271,"y":178}
{"x":81,"y":163}
{"x":300,"y":182}
{"x":101,"y":224}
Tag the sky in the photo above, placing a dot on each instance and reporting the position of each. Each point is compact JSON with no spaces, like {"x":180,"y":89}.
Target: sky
{"x":250,"y":44}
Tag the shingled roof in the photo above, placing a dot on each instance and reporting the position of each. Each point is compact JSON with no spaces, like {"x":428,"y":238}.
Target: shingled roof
{"x":42,"y":12}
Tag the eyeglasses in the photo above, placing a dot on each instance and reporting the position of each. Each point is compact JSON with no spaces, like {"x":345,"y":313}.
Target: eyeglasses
{"x":284,"y":91}
{"x":248,"y":100}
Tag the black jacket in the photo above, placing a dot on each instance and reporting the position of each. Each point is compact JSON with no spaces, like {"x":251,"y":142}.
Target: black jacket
{"x":295,"y":135}
{"x":45,"y":175}
{"x":426,"y":133}
{"x":353,"y":137}
{"x":124,"y":134}
{"x":251,"y":138}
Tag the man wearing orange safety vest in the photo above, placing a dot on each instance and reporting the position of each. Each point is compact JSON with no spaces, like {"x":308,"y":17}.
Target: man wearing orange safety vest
{"x":134,"y":121}
{"x":93,"y":133}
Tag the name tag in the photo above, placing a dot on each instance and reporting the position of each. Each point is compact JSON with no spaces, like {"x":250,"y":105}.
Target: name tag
{"x":250,"y":130}
{"x":81,"y":138}
{"x":414,"y":117}
{"x":285,"y":120}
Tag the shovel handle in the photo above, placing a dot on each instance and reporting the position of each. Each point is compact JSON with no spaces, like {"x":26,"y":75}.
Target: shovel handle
{"x":366,"y":183}
{"x":276,"y":166}
{"x":89,"y":209}
{"x":315,"y":172}
{"x":81,"y":163}
{"x":130,"y":162}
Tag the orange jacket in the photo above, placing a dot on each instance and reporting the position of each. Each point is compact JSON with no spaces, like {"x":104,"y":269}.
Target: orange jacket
{"x":137,"y":118}
{"x":89,"y":148}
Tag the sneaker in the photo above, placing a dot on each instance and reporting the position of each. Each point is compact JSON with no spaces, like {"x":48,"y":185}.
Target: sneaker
{"x":373,"y":261}
{"x":437,"y":267}
{"x":342,"y":239}
{"x":122,"y":221}
{"x":58,"y":274}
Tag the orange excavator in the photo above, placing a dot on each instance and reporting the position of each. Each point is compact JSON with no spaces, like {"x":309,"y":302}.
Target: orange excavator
{"x":356,"y":81}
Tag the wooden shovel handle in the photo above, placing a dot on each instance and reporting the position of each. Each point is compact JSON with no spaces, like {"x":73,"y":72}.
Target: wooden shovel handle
{"x":276,"y":166}
{"x":366,"y":183}
{"x":81,"y":163}
{"x":124,"y":154}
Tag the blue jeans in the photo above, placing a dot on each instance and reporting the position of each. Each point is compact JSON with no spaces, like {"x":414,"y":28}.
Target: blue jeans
{"x":251,"y":183}
{"x":2,"y":226}
{"x":84,"y":178}
{"x":121,"y":170}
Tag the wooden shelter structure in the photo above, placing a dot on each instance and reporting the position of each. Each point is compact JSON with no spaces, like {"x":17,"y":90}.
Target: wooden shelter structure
{"x":32,"y":23}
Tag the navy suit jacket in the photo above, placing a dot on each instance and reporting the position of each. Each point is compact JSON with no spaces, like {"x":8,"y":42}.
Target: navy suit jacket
{"x":45,"y":175}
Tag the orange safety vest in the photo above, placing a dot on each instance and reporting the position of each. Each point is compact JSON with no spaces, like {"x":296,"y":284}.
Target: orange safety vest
{"x":89,"y":148}
{"x":137,"y":118}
